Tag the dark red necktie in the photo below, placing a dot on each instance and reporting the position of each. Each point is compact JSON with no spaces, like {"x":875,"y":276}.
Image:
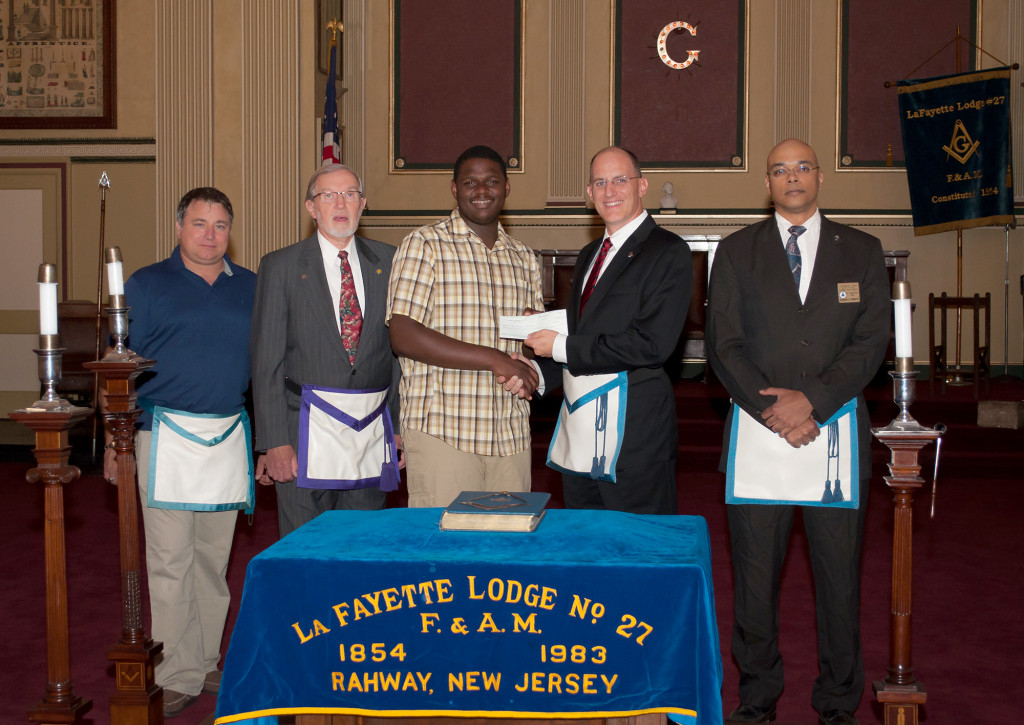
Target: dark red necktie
{"x":348,"y":310}
{"x":588,"y":288}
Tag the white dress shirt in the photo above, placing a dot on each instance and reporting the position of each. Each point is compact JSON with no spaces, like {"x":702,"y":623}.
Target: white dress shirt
{"x":618,"y":238}
{"x":332,"y":268}
{"x":808,"y":243}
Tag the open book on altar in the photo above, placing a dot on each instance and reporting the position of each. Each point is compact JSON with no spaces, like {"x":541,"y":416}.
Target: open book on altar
{"x":495,"y":511}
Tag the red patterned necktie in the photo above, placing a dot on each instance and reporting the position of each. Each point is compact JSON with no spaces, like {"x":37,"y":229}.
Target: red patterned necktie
{"x":348,"y":310}
{"x":588,"y":288}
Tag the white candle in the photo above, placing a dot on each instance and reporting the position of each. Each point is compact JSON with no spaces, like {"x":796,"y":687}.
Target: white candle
{"x":47,"y":299}
{"x":904,"y":331}
{"x":115,"y":277}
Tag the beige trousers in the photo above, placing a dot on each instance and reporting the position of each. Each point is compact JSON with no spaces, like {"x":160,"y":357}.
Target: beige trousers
{"x":186,"y":560}
{"x":436,"y":472}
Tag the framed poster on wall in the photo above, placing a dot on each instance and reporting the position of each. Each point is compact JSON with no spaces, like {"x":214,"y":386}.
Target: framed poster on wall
{"x":57,"y":64}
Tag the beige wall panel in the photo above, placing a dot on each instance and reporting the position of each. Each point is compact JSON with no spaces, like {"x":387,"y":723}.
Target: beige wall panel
{"x":266,"y":167}
{"x":136,"y":93}
{"x":352,"y":112}
{"x":21,"y":238}
{"x":229,"y":107}
{"x":20,"y":366}
{"x":34,"y":234}
{"x":130,"y":210}
{"x":184,"y":107}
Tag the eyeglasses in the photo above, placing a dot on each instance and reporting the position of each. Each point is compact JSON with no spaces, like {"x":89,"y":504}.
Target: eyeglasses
{"x":329,"y":196}
{"x":617,"y":181}
{"x":780,"y":172}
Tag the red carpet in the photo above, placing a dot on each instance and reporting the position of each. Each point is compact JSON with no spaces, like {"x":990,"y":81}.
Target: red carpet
{"x":965,"y":568}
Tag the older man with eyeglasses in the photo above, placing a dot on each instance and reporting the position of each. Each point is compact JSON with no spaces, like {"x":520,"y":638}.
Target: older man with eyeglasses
{"x":319,"y":348}
{"x":797,"y":325}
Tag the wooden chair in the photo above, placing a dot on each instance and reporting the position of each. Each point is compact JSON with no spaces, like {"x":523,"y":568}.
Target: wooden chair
{"x":938,"y":366}
{"x":77,"y":325}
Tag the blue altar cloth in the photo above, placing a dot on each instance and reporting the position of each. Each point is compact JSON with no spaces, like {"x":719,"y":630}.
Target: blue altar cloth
{"x":379,"y":613}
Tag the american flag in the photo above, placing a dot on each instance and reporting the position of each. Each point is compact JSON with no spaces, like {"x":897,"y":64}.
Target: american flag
{"x":331,"y":147}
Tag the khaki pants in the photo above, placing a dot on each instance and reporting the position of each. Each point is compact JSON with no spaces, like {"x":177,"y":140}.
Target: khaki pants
{"x":436,"y":472}
{"x":186,"y":560}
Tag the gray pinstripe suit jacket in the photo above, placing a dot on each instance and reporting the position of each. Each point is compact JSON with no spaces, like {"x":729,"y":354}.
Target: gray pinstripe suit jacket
{"x":295,"y":336}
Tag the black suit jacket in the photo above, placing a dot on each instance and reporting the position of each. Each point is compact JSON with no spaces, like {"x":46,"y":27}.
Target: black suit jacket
{"x":632,"y":322}
{"x":295,"y":335}
{"x":760,"y":335}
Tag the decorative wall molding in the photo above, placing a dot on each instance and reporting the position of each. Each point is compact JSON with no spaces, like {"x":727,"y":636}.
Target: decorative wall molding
{"x":184,"y":108}
{"x":566,"y":103}
{"x":793,"y":68}
{"x":110,"y":148}
{"x":353,"y":103}
{"x":270,"y":124}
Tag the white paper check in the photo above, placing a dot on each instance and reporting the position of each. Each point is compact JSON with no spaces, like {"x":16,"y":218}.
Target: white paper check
{"x":517,"y":327}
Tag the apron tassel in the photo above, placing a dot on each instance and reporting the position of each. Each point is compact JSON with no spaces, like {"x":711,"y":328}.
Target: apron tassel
{"x":827,"y":496}
{"x":388,"y":477}
{"x":837,"y":493}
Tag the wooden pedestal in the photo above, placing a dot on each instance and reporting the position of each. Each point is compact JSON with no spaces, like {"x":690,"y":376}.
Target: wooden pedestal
{"x":59,"y":704}
{"x":137,"y":699}
{"x":899,"y":692}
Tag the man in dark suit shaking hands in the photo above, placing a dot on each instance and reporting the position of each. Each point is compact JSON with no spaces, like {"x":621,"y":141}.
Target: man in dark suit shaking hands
{"x":630,"y":294}
{"x":307,"y":295}
{"x":797,"y":325}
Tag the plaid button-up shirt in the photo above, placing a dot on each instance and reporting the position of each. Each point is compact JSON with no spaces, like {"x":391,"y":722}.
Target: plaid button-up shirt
{"x":446,"y":278}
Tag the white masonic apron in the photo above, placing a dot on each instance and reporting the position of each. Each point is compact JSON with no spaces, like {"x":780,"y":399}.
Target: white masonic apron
{"x":588,"y":433}
{"x":200,"y":461}
{"x":346,"y":439}
{"x":763,"y":468}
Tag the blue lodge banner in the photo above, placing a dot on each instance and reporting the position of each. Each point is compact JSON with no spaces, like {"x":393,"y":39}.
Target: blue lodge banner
{"x":380,"y":613}
{"x":956,"y":138}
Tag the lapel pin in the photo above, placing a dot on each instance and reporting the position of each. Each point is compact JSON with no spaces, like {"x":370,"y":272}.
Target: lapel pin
{"x":303,"y":275}
{"x":629,"y":256}
{"x":378,"y":270}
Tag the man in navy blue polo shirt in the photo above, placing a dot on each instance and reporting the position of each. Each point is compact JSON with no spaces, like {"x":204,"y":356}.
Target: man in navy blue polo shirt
{"x":191,"y":313}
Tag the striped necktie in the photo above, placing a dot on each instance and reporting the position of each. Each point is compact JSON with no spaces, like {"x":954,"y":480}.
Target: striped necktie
{"x":793,"y":253}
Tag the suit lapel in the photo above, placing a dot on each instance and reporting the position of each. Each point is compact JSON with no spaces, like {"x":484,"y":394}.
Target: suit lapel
{"x":579,"y":273}
{"x":773,"y":262}
{"x":312,"y":271}
{"x":826,"y":260}
{"x":620,"y":261}
{"x":375,"y":284}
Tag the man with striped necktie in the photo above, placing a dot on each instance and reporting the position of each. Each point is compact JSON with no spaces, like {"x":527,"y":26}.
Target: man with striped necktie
{"x":797,"y":324}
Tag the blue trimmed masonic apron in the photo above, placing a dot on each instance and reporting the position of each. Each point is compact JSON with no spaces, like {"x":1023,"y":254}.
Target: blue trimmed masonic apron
{"x":591,"y":421}
{"x":763,"y":468}
{"x":200,"y":461}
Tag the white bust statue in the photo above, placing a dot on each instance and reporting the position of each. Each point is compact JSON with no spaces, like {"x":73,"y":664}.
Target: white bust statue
{"x":668,"y":201}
